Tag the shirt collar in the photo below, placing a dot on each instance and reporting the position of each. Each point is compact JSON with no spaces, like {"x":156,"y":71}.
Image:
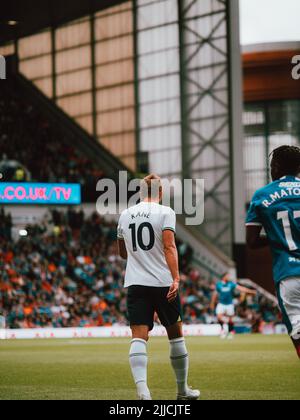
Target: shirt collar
{"x":289,"y":176}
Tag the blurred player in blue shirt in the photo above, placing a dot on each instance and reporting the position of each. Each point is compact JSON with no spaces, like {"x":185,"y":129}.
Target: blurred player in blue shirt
{"x":224,"y":293}
{"x":276,"y":209}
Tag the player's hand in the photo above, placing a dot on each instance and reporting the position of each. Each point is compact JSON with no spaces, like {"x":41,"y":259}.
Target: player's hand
{"x":173,"y":292}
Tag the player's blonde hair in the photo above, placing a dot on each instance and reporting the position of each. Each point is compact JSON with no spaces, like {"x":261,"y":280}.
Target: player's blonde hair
{"x":151,"y":187}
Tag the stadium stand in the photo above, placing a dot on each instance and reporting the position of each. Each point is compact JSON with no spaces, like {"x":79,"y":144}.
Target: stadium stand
{"x":39,"y":142}
{"x":27,"y":137}
{"x":83,"y":157}
{"x":66,"y":273}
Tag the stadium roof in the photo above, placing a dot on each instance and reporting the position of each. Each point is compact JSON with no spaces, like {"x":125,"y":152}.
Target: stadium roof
{"x":19,"y":18}
{"x":271,"y":46}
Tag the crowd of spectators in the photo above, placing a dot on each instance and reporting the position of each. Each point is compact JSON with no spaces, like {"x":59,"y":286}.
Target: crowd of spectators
{"x":66,"y":273}
{"x":29,"y":141}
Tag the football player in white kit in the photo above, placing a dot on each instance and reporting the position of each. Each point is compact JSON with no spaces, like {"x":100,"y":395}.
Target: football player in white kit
{"x":146,"y":238}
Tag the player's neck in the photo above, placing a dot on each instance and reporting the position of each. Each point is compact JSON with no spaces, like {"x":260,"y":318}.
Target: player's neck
{"x":151,"y":200}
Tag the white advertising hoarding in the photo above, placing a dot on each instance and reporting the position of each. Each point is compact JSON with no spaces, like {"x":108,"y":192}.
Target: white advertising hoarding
{"x":103,"y":332}
{"x":119,"y":332}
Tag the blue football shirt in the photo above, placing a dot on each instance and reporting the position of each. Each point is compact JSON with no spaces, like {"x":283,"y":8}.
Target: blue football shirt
{"x":226,"y":292}
{"x":276,"y":208}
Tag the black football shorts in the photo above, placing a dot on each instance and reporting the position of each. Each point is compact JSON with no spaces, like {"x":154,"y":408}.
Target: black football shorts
{"x":143,"y":302}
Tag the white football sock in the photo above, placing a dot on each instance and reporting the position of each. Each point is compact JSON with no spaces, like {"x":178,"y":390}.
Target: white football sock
{"x":180,"y":363}
{"x":138,"y":361}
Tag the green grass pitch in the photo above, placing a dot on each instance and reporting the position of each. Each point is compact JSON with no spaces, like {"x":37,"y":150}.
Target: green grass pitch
{"x":248,"y":368}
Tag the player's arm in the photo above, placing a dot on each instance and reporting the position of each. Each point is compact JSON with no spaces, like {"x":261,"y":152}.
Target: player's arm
{"x":122,"y":249}
{"x":245,"y":290}
{"x":121,"y":242}
{"x":171,"y":255}
{"x":254,"y":238}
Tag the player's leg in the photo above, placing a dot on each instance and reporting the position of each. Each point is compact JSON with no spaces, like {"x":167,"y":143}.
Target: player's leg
{"x":289,"y":302}
{"x":230,"y":328}
{"x":220,"y":311}
{"x":140,"y":332}
{"x":179,"y":356}
{"x":170,"y":316}
{"x":230,"y":313}
{"x":297,"y":345}
{"x":138,"y":359}
{"x":141,"y":314}
{"x":221,"y":322}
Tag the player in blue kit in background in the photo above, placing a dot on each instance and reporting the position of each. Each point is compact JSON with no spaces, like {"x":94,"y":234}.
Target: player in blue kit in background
{"x":276,"y":209}
{"x":224,"y":293}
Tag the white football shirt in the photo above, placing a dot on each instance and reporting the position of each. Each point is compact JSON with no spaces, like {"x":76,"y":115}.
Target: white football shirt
{"x":141,"y":227}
